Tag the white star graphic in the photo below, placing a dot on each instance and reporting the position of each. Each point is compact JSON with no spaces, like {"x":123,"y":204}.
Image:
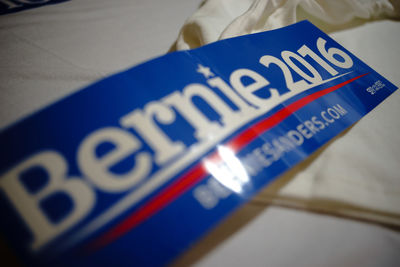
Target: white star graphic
{"x":205,"y":71}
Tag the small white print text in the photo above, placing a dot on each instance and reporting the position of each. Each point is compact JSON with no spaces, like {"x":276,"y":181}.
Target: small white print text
{"x":375,"y":87}
{"x":263,"y":156}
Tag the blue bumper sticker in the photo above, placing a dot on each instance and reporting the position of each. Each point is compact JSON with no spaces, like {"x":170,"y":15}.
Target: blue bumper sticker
{"x":134,"y":168}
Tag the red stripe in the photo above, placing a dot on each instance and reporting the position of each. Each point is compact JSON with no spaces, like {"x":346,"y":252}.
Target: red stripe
{"x":157,"y":203}
{"x":198,"y":172}
{"x":251,"y":133}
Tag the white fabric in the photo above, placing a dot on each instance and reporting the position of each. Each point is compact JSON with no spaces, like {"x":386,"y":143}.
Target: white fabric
{"x":357,"y":175}
{"x":282,"y":238}
{"x":221,"y":19}
{"x":51,"y":51}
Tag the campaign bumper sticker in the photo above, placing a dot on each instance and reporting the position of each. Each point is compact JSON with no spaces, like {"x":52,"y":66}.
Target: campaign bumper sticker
{"x":135,"y":168}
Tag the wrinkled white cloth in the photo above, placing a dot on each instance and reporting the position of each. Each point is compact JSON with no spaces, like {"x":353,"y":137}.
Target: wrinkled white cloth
{"x":221,"y":19}
{"x":357,"y":175}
